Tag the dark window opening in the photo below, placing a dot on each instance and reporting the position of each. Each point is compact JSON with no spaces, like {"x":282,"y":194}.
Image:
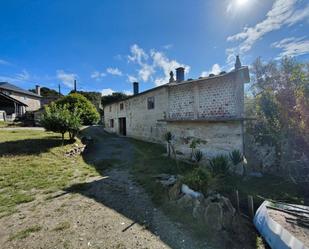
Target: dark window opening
{"x":150,"y":103}
{"x":121,"y":106}
{"x":111,"y":123}
{"x":110,"y":108}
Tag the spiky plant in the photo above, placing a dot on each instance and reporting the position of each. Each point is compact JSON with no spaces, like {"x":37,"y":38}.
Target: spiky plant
{"x":198,"y":156}
{"x":219,"y":165}
{"x":236,"y":157}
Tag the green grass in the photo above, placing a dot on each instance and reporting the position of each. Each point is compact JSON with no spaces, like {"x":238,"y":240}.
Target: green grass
{"x":33,"y":162}
{"x":4,"y":124}
{"x":25,"y":233}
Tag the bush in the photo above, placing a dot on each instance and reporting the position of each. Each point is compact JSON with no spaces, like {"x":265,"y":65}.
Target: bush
{"x":219,"y":165}
{"x":61,"y":120}
{"x":74,"y":101}
{"x":197,"y":179}
{"x":236,"y":157}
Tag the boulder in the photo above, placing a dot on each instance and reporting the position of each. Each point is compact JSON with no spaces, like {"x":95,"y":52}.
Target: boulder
{"x":198,"y":210}
{"x":213,"y":217}
{"x":186,"y":202}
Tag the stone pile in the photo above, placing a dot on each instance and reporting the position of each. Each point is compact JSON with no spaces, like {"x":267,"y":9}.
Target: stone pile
{"x":213,"y":210}
{"x":77,"y":150}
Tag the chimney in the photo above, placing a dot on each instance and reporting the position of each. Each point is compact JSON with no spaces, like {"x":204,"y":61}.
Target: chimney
{"x":38,"y":90}
{"x":74,"y":85}
{"x":171,"y":77}
{"x":135,"y":88}
{"x":237,"y":63}
{"x":180,"y":74}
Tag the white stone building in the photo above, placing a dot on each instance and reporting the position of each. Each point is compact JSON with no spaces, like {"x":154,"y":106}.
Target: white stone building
{"x":209,"y":108}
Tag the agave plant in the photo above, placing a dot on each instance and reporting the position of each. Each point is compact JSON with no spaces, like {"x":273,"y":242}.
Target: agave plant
{"x":236,"y":157}
{"x":198,"y":156}
{"x":219,"y":165}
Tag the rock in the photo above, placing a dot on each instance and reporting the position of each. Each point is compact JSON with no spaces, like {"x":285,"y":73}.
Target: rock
{"x":169,"y":182}
{"x":213,"y":217}
{"x":224,"y":211}
{"x":186,"y":202}
{"x":198,"y":210}
{"x":174,"y":192}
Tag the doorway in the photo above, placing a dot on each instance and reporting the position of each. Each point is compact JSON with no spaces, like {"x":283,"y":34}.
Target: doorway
{"x":122,"y":126}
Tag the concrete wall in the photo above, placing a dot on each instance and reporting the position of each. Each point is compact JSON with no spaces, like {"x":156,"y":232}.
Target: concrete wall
{"x":207,"y":109}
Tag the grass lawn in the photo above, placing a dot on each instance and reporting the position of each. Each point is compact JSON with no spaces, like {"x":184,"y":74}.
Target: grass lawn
{"x":4,"y":124}
{"x":33,"y":163}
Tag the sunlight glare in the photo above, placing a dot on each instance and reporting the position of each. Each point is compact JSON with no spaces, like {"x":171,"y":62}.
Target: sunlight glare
{"x":241,"y":2}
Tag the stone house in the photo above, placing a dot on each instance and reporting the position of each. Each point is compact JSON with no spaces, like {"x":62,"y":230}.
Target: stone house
{"x":210,"y":109}
{"x":15,"y":101}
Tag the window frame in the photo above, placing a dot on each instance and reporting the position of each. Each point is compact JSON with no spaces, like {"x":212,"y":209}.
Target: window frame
{"x":151,"y":103}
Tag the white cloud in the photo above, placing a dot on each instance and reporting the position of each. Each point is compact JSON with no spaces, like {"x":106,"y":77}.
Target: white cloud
{"x":292,"y":46}
{"x":161,"y":61}
{"x":152,"y":63}
{"x":114,"y":71}
{"x":23,"y":76}
{"x":216,"y":69}
{"x":137,"y":54}
{"x":127,"y":92}
{"x":132,"y":78}
{"x":168,"y":46}
{"x":109,"y":91}
{"x":66,"y":78}
{"x":4,"y":62}
{"x":282,"y":13}
{"x":97,"y":75}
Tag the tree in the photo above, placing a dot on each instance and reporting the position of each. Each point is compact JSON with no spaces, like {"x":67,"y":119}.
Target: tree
{"x":60,"y":119}
{"x":93,"y":97}
{"x":281,"y":106}
{"x":47,"y":92}
{"x":112,"y":98}
{"x":75,"y":101}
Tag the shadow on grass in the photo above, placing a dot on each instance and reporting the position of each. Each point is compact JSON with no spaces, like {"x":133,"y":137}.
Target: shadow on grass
{"x":30,"y":146}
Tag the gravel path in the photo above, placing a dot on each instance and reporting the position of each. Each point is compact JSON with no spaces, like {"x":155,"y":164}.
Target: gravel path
{"x":110,"y":211}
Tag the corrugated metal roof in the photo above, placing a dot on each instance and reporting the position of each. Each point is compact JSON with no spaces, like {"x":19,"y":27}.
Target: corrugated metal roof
{"x":9,"y":87}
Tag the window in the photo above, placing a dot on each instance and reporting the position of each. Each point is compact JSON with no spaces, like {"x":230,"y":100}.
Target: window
{"x":110,"y":108}
{"x":150,"y":103}
{"x":121,"y":106}
{"x":111,"y":123}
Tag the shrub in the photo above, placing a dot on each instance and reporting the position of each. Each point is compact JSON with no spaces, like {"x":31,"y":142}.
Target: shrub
{"x":219,"y":165}
{"x":198,"y":156}
{"x":236,"y":157}
{"x":74,"y":101}
{"x":61,"y":120}
{"x":197,"y":179}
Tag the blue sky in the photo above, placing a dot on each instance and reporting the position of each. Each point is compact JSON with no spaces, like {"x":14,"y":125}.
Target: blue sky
{"x":106,"y":45}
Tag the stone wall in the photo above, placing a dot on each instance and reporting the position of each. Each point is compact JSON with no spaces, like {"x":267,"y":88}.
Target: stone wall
{"x":209,"y":109}
{"x":32,"y":102}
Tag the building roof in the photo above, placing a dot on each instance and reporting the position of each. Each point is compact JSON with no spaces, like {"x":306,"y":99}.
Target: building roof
{"x":172,"y":84}
{"x":9,"y":87}
{"x":12,"y":99}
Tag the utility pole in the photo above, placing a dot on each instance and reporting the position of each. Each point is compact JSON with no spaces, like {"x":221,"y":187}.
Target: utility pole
{"x":75,"y":85}
{"x":59,"y":89}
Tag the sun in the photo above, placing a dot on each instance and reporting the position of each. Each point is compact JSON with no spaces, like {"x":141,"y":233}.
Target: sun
{"x":241,"y":2}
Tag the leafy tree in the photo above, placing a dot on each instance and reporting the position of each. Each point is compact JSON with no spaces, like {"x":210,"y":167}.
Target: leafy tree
{"x":112,"y":98}
{"x":280,"y":103}
{"x":60,"y":119}
{"x":93,"y":97}
{"x":75,"y":101}
{"x":47,"y":92}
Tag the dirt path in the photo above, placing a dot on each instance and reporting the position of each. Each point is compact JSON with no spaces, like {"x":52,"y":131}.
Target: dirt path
{"x":111,"y":211}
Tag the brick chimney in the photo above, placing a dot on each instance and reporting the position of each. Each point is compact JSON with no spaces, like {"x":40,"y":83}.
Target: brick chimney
{"x":135,"y":88}
{"x":38,"y":90}
{"x":180,"y":74}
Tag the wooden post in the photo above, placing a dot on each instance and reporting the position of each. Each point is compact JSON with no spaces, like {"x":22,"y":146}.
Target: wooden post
{"x":251,"y":206}
{"x":237,"y":201}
